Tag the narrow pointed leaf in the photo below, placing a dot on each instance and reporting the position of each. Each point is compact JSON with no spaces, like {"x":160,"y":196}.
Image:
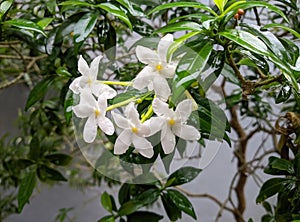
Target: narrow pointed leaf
{"x":26,"y":25}
{"x":182,"y":176}
{"x":85,"y":26}
{"x":26,"y":188}
{"x":180,"y":26}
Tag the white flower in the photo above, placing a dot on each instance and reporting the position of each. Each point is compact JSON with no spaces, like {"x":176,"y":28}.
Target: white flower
{"x":95,"y":111}
{"x":88,"y":80}
{"x":173,"y":123}
{"x":134,"y":132}
{"x":157,"y":70}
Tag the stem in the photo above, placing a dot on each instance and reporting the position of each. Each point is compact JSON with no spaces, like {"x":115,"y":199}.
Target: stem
{"x":120,"y":104}
{"x":147,"y":114}
{"x":116,"y":83}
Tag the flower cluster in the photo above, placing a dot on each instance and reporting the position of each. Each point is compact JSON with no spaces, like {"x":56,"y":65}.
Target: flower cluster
{"x":134,"y":131}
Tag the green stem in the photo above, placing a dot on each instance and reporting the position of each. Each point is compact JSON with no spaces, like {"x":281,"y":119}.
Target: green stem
{"x":116,"y":83}
{"x":120,"y":104}
{"x":148,"y":114}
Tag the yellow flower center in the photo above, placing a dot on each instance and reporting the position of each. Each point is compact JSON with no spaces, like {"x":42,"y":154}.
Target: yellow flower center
{"x":134,"y":129}
{"x":97,"y":112}
{"x":171,"y":122}
{"x":158,"y":67}
{"x":89,"y":82}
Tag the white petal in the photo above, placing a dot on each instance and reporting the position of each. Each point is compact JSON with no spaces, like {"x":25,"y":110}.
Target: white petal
{"x":155,"y":124}
{"x":90,"y":130}
{"x":86,"y":97}
{"x":143,"y":146}
{"x":144,"y":129}
{"x":122,"y":142}
{"x":74,"y":86}
{"x":161,"y":88}
{"x":94,"y":66}
{"x":163,"y":46}
{"x":132,"y":114}
{"x":106,"y":125}
{"x":162,"y":109}
{"x":168,"y":70}
{"x":168,"y":141}
{"x":82,"y":110}
{"x":186,"y":132}
{"x":83,"y":83}
{"x":106,"y":91}
{"x":184,"y":110}
{"x":144,"y":78}
{"x":83,"y":67}
{"x":121,"y":121}
{"x":146,"y":55}
{"x":148,"y":153}
{"x":102,"y":104}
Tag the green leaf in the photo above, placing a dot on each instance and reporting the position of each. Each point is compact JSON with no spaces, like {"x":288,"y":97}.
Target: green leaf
{"x":46,"y":173}
{"x":26,"y":188}
{"x":149,"y":196}
{"x":181,"y":202}
{"x":106,"y":202}
{"x":182,"y":5}
{"x":108,"y":218}
{"x":251,"y":4}
{"x":133,"y":11}
{"x":182,"y":176}
{"x":4,"y":7}
{"x":124,"y":193}
{"x":220,"y":4}
{"x":275,"y":25}
{"x":45,"y":22}
{"x":173,"y":212}
{"x":180,"y":26}
{"x":38,"y":92}
{"x":190,"y":68}
{"x":59,"y":159}
{"x":142,"y":216}
{"x":278,"y":166}
{"x":76,"y":3}
{"x":270,"y":188}
{"x":115,"y":11}
{"x":35,"y":148}
{"x":84,"y":26}
{"x":26,"y":25}
{"x":246,"y":40}
{"x":51,"y":6}
{"x":130,"y":207}
{"x":296,"y":164}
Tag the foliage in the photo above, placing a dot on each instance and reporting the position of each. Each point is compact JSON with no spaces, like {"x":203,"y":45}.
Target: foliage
{"x":228,"y":42}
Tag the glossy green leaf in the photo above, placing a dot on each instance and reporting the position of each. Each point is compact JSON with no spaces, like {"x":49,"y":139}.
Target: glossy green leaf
{"x":85,"y":26}
{"x":275,"y":25}
{"x":35,"y":148}
{"x":51,"y":6}
{"x":45,"y":22}
{"x":190,"y":68}
{"x":26,"y":188}
{"x":38,"y":92}
{"x":173,"y":212}
{"x":183,"y":5}
{"x":200,"y":16}
{"x":251,"y":4}
{"x":108,"y":218}
{"x":106,"y":202}
{"x":142,"y":216}
{"x":149,"y":196}
{"x":182,"y":176}
{"x":26,"y":25}
{"x":270,"y":188}
{"x":133,"y":9}
{"x":59,"y":159}
{"x":270,"y":40}
{"x":115,"y":11}
{"x":181,"y":202}
{"x":76,"y":3}
{"x":246,"y":40}
{"x":278,"y":166}
{"x":124,"y":193}
{"x":46,"y":173}
{"x":220,"y":4}
{"x":130,"y":207}
{"x":180,"y":26}
{"x":4,"y":7}
{"x":296,"y":164}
